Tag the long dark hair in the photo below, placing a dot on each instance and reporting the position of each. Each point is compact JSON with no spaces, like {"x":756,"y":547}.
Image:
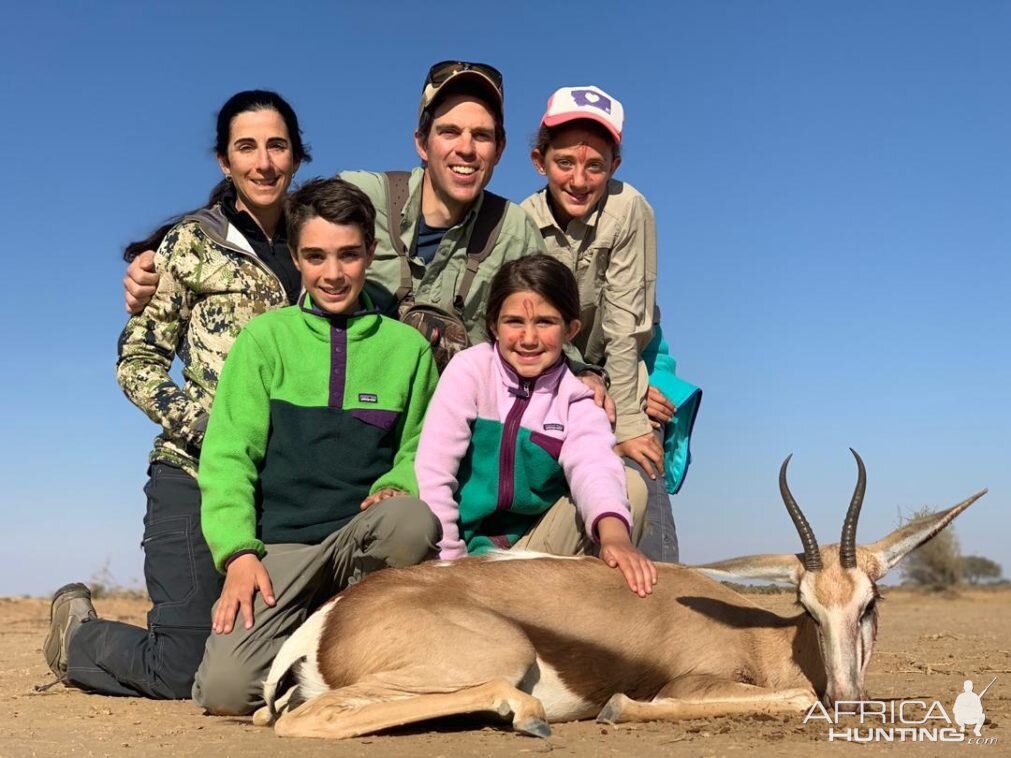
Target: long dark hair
{"x":240,"y":102}
{"x":547,"y":276}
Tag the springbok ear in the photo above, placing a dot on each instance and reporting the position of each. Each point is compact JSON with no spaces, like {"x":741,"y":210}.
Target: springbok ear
{"x":904,"y":540}
{"x":771,"y":568}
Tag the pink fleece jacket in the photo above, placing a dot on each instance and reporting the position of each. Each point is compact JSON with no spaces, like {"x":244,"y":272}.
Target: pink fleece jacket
{"x":482,"y":410}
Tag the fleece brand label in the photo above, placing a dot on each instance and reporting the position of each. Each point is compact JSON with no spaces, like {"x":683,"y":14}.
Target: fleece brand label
{"x":554,"y":427}
{"x":368,"y":397}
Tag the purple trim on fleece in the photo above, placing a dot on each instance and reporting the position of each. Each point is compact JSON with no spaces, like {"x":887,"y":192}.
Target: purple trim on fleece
{"x":338,"y":361}
{"x":550,"y":445}
{"x":385,"y":420}
{"x":507,"y":451}
{"x":622,"y":516}
{"x":512,"y":374}
{"x":501,"y":542}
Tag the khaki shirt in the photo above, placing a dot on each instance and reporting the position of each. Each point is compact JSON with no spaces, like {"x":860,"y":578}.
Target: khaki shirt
{"x":612,"y":251}
{"x":437,"y":282}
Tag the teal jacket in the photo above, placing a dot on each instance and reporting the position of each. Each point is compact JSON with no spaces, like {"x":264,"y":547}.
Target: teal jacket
{"x":312,"y":414}
{"x":662,"y":368}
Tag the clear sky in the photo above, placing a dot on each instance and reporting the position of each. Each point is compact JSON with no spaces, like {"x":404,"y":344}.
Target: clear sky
{"x":832,"y":187}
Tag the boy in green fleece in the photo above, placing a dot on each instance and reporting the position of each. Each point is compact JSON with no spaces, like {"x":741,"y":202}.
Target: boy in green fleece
{"x":307,"y":468}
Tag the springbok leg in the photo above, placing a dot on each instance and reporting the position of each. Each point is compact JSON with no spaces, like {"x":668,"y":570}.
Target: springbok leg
{"x":703,"y":697}
{"x":472,"y":665}
{"x":339,"y":714}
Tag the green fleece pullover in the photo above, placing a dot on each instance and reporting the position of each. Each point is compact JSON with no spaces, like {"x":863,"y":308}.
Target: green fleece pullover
{"x":312,"y":414}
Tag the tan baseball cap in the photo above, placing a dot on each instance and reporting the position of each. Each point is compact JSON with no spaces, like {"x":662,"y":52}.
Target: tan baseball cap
{"x":444,"y":72}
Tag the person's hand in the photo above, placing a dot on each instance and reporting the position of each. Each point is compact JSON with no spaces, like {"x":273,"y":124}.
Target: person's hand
{"x":617,"y":551}
{"x":600,"y":396}
{"x":381,"y":495}
{"x":659,"y":409}
{"x":245,"y":575}
{"x":646,"y":451}
{"x":141,"y":281}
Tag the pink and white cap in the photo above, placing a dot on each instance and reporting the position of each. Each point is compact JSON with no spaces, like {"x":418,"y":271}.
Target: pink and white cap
{"x":571,"y":103}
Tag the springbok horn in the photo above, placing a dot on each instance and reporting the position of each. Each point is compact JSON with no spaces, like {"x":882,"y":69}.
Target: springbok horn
{"x":812,"y":556}
{"x":848,"y":542}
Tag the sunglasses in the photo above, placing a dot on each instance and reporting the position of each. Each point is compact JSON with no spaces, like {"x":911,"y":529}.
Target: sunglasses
{"x":443,"y":71}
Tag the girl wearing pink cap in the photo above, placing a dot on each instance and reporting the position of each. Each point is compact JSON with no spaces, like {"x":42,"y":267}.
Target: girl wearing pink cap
{"x":605,"y":231}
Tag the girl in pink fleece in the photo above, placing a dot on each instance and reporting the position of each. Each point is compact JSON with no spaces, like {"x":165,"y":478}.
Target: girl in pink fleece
{"x":510,"y":430}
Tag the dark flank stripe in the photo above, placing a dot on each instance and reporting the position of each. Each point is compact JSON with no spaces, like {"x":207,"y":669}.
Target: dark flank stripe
{"x":338,"y":361}
{"x":385,"y":420}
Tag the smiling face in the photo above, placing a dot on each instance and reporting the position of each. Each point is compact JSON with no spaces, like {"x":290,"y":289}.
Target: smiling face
{"x":333,"y":260}
{"x":531,"y":332}
{"x":460,"y":153}
{"x":259,"y":160}
{"x":578,"y":164}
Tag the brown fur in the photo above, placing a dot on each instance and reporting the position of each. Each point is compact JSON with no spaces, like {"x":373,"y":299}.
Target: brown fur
{"x":412,"y":644}
{"x":594,"y":657}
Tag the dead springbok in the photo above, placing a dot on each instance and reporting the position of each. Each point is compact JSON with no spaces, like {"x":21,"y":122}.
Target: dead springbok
{"x":561,"y":639}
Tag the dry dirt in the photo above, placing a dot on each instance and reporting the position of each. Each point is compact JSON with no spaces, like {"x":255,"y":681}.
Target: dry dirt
{"x":927,"y":646}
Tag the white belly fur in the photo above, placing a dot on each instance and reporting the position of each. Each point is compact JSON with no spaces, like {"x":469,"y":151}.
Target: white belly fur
{"x":560,"y":703}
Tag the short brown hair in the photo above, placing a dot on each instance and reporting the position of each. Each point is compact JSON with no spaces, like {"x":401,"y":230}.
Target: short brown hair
{"x":334,"y":200}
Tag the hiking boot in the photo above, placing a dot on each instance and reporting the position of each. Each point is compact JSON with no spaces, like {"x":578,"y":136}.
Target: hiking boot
{"x":71,"y":606}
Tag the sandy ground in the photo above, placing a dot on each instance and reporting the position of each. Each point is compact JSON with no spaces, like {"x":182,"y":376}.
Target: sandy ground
{"x":927,"y":646}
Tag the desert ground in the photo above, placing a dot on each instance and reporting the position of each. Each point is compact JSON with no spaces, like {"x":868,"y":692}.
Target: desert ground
{"x":927,"y":645}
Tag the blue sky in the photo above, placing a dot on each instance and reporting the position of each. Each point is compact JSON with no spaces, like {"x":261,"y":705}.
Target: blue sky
{"x":832,"y":186}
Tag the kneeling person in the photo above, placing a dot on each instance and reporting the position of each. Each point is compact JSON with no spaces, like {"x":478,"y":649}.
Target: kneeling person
{"x":307,"y":468}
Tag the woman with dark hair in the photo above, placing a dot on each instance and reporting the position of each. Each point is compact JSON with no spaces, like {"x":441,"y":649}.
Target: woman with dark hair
{"x":219,"y":267}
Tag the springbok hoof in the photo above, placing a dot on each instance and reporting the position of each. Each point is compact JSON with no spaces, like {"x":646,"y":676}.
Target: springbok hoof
{"x":611,"y":713}
{"x":263,"y":717}
{"x":534,"y":727}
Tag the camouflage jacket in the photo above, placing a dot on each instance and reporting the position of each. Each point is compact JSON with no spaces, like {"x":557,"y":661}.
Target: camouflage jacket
{"x":211,"y":285}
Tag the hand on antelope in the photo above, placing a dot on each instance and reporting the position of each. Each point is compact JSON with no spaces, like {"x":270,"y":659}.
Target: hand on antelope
{"x":544,"y":639}
{"x":617,"y":551}
{"x":245,"y":575}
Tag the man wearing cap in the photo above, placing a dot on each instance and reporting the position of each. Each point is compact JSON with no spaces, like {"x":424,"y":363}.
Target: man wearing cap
{"x":460,"y":139}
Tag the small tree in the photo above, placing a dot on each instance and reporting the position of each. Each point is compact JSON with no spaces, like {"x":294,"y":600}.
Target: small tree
{"x":937,"y":564}
{"x":976,"y":569}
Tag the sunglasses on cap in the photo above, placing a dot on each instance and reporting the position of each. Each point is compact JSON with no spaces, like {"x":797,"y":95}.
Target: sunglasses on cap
{"x":442,"y":72}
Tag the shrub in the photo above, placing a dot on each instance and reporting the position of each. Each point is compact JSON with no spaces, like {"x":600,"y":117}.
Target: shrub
{"x":976,"y":569}
{"x":936,"y":565}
